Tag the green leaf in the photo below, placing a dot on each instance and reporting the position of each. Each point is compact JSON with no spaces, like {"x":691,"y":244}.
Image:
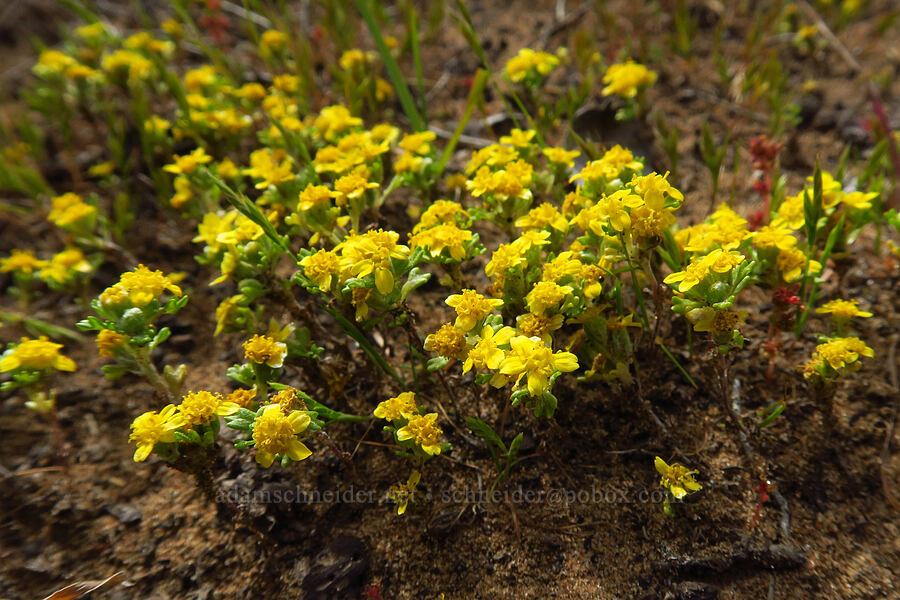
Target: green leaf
{"x":90,"y":324}
{"x":772,"y":413}
{"x":483,"y":378}
{"x":437,"y":363}
{"x":114,"y":371}
{"x":485,"y":432}
{"x":518,"y":396}
{"x":546,"y":405}
{"x":161,"y":336}
{"x":415,"y":280}
{"x":514,"y":447}
{"x":242,"y":374}
{"x":476,"y":94}
{"x":247,"y":208}
{"x":353,"y":331}
{"x":396,"y":76}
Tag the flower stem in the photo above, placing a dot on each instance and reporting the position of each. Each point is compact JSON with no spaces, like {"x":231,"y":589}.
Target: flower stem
{"x":148,"y":371}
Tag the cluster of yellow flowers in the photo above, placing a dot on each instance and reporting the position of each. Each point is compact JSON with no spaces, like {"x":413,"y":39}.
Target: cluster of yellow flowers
{"x":138,"y":288}
{"x":529,"y":65}
{"x":275,"y":430}
{"x":77,"y":218}
{"x":196,"y":409}
{"x":836,"y":358}
{"x":311,"y":184}
{"x":60,"y":270}
{"x":411,"y":425}
{"x":791,"y":212}
{"x":627,"y":79}
{"x":35,"y":355}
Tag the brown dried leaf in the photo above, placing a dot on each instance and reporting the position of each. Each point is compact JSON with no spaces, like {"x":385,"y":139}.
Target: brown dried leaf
{"x":76,"y":590}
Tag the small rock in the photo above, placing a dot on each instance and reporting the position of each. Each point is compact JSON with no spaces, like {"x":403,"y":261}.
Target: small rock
{"x":125,"y":513}
{"x":695,"y":590}
{"x":39,"y":565}
{"x":338,"y":571}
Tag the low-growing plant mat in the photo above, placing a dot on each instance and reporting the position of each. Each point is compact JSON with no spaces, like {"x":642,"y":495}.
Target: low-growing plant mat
{"x":582,"y":514}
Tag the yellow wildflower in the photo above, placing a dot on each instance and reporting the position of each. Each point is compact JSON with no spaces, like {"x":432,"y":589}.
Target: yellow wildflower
{"x":859,"y":200}
{"x":562,"y":266}
{"x":142,"y":285}
{"x":243,"y":397}
{"x":528,"y":62}
{"x":273,"y":41}
{"x":422,"y":429}
{"x":531,"y":238}
{"x":547,"y":296}
{"x":212,"y":226}
{"x":613,"y":209}
{"x":493,"y":155}
{"x":843,"y":310}
{"x":532,"y":358}
{"x":251,"y":91}
{"x":351,"y":58}
{"x":23,"y":261}
{"x":288,"y":400}
{"x":440,"y":212}
{"x":333,"y":120}
{"x":446,"y":236}
{"x":540,"y":326}
{"x":840,"y":354}
{"x":198,"y":408}
{"x":188,"y":163}
{"x":276,"y":433}
{"x":315,"y":195}
{"x":70,"y":209}
{"x":52,"y":62}
{"x":627,"y":79}
{"x":63,"y":265}
{"x":485,"y":354}
{"x":722,"y":262}
{"x":543,"y":215}
{"x":402,"y":493}
{"x":608,"y":167}
{"x":677,"y":478}
{"x":360,"y":300}
{"x":792,"y":262}
{"x":322,"y":268}
{"x":653,"y":188}
{"x":772,"y":236}
{"x":418,"y":143}
{"x":108,"y":340}
{"x":35,"y":355}
{"x":263,"y":349}
{"x":242,"y":231}
{"x":136,"y":65}
{"x":448,"y":341}
{"x":504,"y":258}
{"x":196,"y":79}
{"x":352,"y":185}
{"x":471,"y":307}
{"x":791,"y":213}
{"x":371,"y":252}
{"x":401,"y":406}
{"x":692,"y":274}
{"x":518,"y":138}
{"x":649,"y":223}
{"x":152,"y":428}
{"x":561,"y":156}
{"x":271,"y":167}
